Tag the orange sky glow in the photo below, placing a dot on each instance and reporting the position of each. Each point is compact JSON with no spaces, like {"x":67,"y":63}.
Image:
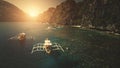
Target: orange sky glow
{"x":34,"y":7}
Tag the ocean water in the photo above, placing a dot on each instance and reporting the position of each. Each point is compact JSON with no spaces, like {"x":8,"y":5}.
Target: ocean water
{"x":83,"y":48}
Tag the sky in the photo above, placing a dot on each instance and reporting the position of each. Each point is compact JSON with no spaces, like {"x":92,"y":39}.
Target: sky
{"x":35,"y":7}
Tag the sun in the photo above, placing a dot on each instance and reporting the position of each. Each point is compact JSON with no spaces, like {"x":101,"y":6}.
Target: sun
{"x":33,"y":13}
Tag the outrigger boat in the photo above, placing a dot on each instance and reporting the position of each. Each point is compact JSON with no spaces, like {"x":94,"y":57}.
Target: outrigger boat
{"x":47,"y":46}
{"x":20,"y":37}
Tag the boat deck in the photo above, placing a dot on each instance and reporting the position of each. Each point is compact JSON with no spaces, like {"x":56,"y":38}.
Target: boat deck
{"x":39,"y":47}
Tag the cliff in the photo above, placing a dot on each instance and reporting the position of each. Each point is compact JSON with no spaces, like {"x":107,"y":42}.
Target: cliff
{"x":101,"y":14}
{"x":98,"y":14}
{"x":65,"y":13}
{"x":9,"y":12}
{"x":47,"y":15}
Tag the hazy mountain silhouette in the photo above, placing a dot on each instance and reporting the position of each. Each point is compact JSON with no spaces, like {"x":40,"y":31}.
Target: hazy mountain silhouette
{"x":9,"y":12}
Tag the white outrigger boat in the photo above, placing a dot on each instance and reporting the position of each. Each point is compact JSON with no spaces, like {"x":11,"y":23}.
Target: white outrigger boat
{"x":47,"y":46}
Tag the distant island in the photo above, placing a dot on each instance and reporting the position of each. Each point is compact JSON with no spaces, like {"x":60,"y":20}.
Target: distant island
{"x":95,"y":14}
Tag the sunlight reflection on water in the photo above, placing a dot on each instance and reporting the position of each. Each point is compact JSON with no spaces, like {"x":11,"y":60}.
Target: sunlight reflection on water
{"x":84,"y":44}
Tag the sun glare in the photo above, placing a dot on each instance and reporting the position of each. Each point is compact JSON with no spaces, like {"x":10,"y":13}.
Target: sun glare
{"x":33,"y":13}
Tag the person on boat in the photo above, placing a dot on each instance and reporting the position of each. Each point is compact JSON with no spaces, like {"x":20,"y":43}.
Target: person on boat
{"x":22,"y":37}
{"x":47,"y":45}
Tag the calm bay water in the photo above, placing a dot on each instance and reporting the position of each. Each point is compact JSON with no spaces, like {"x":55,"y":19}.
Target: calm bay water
{"x":83,"y":48}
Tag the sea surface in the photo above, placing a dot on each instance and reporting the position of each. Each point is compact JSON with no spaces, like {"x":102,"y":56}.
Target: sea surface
{"x":84,"y":48}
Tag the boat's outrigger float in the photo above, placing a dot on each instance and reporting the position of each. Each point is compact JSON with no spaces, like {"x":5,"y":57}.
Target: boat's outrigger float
{"x":47,"y":46}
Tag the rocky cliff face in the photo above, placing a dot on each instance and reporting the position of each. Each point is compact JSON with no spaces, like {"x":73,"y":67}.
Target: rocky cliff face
{"x":9,"y":12}
{"x":47,"y":15}
{"x":102,"y":14}
{"x":98,"y":14}
{"x":65,"y":13}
